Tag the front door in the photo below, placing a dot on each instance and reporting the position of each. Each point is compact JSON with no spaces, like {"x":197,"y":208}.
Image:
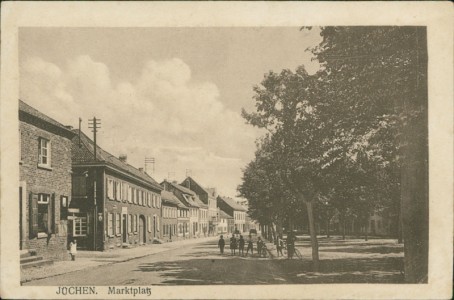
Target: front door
{"x":125,"y":228}
{"x":142,"y":238}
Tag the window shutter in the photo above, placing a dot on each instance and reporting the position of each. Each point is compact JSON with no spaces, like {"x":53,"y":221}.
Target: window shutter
{"x":33,"y":221}
{"x":55,"y":220}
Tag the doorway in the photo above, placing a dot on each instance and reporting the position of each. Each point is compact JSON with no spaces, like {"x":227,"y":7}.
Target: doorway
{"x":154,"y":226}
{"x":125,"y":227}
{"x":142,"y":232}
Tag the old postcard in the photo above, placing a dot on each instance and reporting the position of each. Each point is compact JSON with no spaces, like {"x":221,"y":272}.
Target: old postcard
{"x":226,"y":150}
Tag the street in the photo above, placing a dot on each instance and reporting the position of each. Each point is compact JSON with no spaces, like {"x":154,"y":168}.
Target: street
{"x":200,"y":263}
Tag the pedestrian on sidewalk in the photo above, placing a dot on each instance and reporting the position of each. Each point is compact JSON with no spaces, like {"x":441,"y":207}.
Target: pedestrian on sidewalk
{"x":221,"y":244}
{"x":233,"y":245}
{"x":279,"y":245}
{"x":250,"y":245}
{"x":241,"y":246}
{"x":73,"y":249}
{"x":259,"y":246}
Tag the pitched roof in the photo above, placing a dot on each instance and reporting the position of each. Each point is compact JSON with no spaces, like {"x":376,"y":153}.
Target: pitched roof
{"x":224,"y":215}
{"x":25,"y":108}
{"x":200,"y":202}
{"x":196,"y":183}
{"x":230,"y":202}
{"x":170,"y":198}
{"x":190,"y":200}
{"x":181,"y":188}
{"x":85,"y":154}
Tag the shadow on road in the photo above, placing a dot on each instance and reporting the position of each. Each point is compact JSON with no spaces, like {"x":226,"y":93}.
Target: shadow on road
{"x":235,"y":270}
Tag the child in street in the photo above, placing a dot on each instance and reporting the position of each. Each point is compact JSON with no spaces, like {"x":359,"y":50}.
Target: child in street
{"x":221,"y":244}
{"x":233,"y":245}
{"x":241,"y":246}
{"x":73,"y":249}
{"x":250,"y":245}
{"x":279,"y":246}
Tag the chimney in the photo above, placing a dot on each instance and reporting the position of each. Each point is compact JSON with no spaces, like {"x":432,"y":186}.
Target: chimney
{"x":141,"y":170}
{"x":69,"y":127}
{"x":123,"y":158}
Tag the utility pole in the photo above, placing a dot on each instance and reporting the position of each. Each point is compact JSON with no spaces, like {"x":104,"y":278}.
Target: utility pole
{"x":94,"y":124}
{"x":80,"y":121}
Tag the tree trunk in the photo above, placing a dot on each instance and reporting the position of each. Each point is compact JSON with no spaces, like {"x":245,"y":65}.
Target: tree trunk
{"x":314,"y":242}
{"x":343,"y":227}
{"x":327,"y":228}
{"x":415,"y":200}
{"x":366,"y":231}
{"x":399,"y":227}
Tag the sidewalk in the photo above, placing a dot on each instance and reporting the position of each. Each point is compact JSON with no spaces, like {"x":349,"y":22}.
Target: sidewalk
{"x":92,"y":259}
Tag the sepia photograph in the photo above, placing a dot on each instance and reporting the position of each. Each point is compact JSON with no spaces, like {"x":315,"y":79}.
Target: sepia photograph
{"x":290,"y":155}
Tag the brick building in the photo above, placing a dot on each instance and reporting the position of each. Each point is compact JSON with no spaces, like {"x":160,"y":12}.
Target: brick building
{"x":208,"y":196}
{"x":113,"y":203}
{"x":45,"y":183}
{"x":229,"y":206}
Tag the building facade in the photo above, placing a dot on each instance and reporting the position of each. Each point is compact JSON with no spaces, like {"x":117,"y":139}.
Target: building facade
{"x":226,"y":223}
{"x":207,"y":196}
{"x":229,"y":206}
{"x":170,"y":205}
{"x":113,"y":204}
{"x":45,"y":183}
{"x":186,"y":215}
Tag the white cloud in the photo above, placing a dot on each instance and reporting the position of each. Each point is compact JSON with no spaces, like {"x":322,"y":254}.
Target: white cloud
{"x":163,"y":113}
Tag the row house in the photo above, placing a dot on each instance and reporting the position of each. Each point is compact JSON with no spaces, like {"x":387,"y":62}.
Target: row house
{"x":207,"y":196}
{"x":203,"y":217}
{"x":170,"y":211}
{"x":190,"y":199}
{"x":185,"y":212}
{"x":226,"y":223}
{"x":44,"y":183}
{"x":234,"y":209}
{"x":113,"y":204}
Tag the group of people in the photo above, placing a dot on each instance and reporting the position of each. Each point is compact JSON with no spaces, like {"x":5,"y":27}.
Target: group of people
{"x":239,"y":243}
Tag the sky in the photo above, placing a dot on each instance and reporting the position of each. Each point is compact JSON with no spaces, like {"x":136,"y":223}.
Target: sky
{"x":174,"y":94}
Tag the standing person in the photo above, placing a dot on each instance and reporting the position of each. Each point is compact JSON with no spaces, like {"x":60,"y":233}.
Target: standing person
{"x":233,"y":245}
{"x":250,"y":245}
{"x":241,"y":246}
{"x":73,"y":249}
{"x":279,"y":246}
{"x":259,"y":246}
{"x":221,"y":244}
{"x":290,"y":244}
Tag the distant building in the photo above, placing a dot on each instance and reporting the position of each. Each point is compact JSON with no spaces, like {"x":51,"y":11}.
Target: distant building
{"x":169,"y":212}
{"x":226,"y":223}
{"x":113,"y":203}
{"x":208,"y":196}
{"x":44,"y":183}
{"x":234,"y":209}
{"x":188,"y":215}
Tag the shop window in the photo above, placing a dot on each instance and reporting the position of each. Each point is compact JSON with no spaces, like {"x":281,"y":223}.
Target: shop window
{"x":44,"y":157}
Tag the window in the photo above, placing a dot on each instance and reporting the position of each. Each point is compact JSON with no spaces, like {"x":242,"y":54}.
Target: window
{"x":43,"y":213}
{"x":137,"y":197}
{"x":124,"y":192}
{"x":79,"y":186}
{"x":136,"y":225}
{"x":149,"y":223}
{"x":159,"y":201}
{"x":130,"y":223}
{"x":117,"y":191}
{"x":110,"y":219}
{"x":110,"y":189}
{"x":144,"y":203}
{"x":117,"y":224}
{"x":80,"y":226}
{"x":134,"y":198}
{"x":130,"y":194}
{"x":44,"y":153}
